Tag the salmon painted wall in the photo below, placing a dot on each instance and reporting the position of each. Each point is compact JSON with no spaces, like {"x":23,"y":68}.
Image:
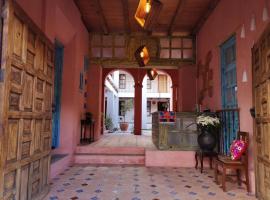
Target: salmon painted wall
{"x":187,"y":88}
{"x":226,"y":20}
{"x":94,"y":98}
{"x":61,"y":20}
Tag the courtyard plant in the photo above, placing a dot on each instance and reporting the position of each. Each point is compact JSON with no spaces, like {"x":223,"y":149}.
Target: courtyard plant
{"x":128,"y":105}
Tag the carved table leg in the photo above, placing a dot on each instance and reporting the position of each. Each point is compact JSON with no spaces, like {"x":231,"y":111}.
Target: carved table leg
{"x":201,"y":158}
{"x":196,"y":159}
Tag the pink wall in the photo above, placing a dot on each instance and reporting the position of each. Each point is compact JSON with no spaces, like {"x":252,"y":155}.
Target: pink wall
{"x":226,"y":20}
{"x":61,"y":20}
{"x":187,"y":88}
{"x":94,"y":97}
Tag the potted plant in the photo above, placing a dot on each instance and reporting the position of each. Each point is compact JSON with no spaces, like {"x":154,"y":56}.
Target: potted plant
{"x":108,"y":123}
{"x":128,"y":105}
{"x":208,"y":125}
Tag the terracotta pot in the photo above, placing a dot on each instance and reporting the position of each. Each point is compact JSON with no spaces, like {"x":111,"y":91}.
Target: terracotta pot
{"x":123,"y":126}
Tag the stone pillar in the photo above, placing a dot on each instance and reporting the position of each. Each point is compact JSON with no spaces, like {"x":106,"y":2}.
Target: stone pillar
{"x":138,"y":108}
{"x":175,"y":97}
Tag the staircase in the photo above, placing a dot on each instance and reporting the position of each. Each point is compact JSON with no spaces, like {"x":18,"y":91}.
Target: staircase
{"x":110,"y":155}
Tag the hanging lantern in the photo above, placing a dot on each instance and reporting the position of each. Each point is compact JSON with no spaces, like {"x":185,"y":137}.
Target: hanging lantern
{"x":152,"y":74}
{"x":147,"y":13}
{"x":142,"y":56}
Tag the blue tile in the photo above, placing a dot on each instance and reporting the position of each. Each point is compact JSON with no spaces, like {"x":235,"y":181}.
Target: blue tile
{"x":79,"y":190}
{"x":211,"y":193}
{"x":192,"y":193}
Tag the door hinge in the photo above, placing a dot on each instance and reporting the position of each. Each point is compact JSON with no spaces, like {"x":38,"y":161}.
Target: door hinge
{"x":2,"y":75}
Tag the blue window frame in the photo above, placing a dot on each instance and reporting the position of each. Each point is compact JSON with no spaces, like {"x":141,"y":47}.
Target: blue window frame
{"x":58,"y":71}
{"x":229,"y":93}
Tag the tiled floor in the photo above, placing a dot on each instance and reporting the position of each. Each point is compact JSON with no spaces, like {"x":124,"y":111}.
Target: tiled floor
{"x":124,"y":140}
{"x":139,"y":183}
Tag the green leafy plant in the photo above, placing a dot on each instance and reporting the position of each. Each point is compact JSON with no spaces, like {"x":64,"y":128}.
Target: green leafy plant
{"x":108,"y":123}
{"x":128,"y":105}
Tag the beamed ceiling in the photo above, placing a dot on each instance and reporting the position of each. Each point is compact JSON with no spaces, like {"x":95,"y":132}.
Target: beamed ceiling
{"x":117,"y":16}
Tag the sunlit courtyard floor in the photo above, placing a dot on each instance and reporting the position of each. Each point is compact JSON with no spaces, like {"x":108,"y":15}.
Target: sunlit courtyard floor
{"x":140,"y":183}
{"x":125,"y":139}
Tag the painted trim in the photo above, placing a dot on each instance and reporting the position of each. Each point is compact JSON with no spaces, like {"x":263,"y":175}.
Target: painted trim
{"x":58,"y":73}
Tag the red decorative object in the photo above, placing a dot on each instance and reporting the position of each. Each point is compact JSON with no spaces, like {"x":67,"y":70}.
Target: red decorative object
{"x":238,"y":147}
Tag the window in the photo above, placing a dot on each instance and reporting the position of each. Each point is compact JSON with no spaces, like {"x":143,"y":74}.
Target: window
{"x":176,"y":47}
{"x":122,"y":81}
{"x":148,"y":108}
{"x":148,"y":83}
{"x":162,"y":83}
{"x":121,"y":107}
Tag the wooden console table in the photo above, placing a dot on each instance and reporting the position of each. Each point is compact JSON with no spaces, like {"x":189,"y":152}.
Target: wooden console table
{"x":90,"y":125}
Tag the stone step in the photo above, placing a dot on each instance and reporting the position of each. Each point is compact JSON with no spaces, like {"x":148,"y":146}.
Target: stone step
{"x":110,"y":150}
{"x":109,"y":159}
{"x":110,"y":155}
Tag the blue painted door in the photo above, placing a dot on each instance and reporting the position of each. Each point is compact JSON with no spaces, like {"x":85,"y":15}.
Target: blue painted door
{"x":229,"y":92}
{"x":58,"y":70}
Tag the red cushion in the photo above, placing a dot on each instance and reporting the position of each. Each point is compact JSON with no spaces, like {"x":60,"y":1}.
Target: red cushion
{"x":238,"y":147}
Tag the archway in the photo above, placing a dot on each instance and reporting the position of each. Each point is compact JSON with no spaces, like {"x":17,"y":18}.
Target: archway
{"x":118,"y":102}
{"x":157,"y":95}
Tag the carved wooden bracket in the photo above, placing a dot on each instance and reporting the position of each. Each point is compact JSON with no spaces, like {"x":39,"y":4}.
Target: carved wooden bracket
{"x":207,"y":77}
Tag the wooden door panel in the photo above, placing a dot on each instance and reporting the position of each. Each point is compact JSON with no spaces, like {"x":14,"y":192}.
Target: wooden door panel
{"x":28,"y":62}
{"x":261,"y":96}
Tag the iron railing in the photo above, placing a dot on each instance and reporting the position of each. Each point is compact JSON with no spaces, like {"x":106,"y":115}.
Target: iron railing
{"x":229,"y":126}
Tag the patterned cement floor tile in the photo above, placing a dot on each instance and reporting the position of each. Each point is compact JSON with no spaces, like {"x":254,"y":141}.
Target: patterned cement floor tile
{"x":140,"y":183}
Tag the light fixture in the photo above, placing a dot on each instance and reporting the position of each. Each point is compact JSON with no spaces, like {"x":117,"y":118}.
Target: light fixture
{"x":253,"y":23}
{"x":152,"y":74}
{"x":147,"y":13}
{"x":147,"y":6}
{"x":265,"y":16}
{"x":244,"y":76}
{"x":142,"y":56}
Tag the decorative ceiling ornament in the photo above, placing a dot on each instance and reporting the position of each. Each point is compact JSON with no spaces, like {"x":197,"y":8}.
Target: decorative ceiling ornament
{"x":265,"y":15}
{"x":152,"y":74}
{"x":147,"y":13}
{"x":243,"y":32}
{"x":253,"y":23}
{"x":142,"y":56}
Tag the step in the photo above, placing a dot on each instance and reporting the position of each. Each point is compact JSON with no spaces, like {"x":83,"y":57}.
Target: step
{"x":110,"y":155}
{"x":109,"y":159}
{"x":110,"y":150}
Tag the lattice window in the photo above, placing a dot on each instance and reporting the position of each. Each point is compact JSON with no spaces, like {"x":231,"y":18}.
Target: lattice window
{"x":176,"y":48}
{"x":122,"y":81}
{"x":108,"y":46}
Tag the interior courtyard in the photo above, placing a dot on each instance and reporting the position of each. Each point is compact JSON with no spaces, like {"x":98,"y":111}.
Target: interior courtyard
{"x":135,"y":99}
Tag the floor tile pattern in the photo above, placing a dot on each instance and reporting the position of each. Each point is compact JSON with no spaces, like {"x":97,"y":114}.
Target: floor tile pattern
{"x":140,"y":183}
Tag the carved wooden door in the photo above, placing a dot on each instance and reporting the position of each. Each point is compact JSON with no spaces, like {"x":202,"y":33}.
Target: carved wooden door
{"x":261,"y":96}
{"x":26,"y":90}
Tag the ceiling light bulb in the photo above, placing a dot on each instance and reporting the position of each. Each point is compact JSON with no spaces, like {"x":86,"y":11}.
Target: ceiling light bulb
{"x":147,"y":7}
{"x":142,"y":54}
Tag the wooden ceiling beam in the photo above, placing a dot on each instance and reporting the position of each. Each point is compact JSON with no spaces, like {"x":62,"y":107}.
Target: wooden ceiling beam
{"x":126,"y":15}
{"x":82,"y":17}
{"x":101,"y":16}
{"x":212,"y":5}
{"x":179,"y":9}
